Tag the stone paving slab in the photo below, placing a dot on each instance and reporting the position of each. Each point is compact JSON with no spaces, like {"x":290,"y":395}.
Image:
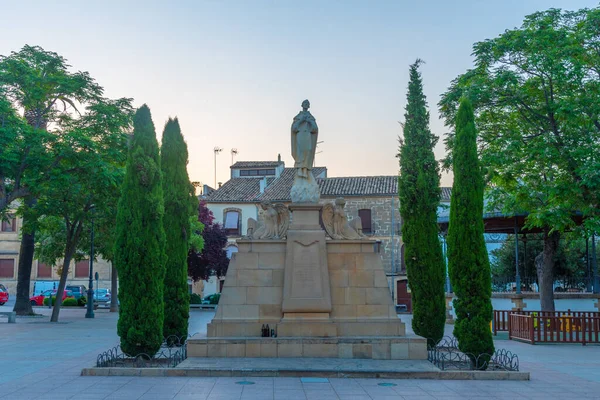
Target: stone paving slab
{"x":43,"y":361}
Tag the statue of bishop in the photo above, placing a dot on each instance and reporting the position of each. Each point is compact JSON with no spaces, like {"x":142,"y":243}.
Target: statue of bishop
{"x":304,"y":144}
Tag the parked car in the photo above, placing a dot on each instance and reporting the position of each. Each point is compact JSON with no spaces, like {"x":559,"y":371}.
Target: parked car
{"x":102,"y":296}
{"x":42,"y":286}
{"x":78,"y":290}
{"x":39,"y":299}
{"x":212,"y":298}
{"x":3,"y":294}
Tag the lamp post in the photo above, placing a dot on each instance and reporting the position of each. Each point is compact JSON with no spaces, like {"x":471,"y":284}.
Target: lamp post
{"x":90,"y":293}
{"x":217,"y":150}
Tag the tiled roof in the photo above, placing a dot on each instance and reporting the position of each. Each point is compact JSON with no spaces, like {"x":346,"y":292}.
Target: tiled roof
{"x":248,"y":189}
{"x":280,"y":189}
{"x":236,"y":190}
{"x":359,"y":186}
{"x":256,"y":164}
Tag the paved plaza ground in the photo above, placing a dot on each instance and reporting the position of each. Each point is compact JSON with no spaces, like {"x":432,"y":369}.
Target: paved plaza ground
{"x":40,"y":360}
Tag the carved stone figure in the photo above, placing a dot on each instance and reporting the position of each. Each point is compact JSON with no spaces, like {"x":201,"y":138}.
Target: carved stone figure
{"x":274,"y":224}
{"x":336,"y":222}
{"x":304,"y":143}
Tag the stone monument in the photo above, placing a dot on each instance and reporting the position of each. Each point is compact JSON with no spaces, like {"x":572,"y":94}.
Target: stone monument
{"x":296,"y":290}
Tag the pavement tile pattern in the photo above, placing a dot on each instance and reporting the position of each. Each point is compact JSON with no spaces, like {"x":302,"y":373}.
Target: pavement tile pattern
{"x":40,"y":360}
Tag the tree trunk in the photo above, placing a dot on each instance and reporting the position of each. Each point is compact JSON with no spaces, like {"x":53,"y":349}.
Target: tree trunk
{"x":544,"y":264}
{"x":114,"y":301}
{"x":22,"y":304}
{"x":61,"y":285}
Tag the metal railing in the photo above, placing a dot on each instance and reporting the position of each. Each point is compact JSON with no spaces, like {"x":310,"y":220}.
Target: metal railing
{"x":447,"y":356}
{"x":562,"y":284}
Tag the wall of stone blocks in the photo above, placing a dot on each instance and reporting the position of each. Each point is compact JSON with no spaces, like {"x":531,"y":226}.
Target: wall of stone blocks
{"x":388,"y":232}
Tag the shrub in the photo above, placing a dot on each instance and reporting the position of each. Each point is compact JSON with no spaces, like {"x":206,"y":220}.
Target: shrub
{"x":82,"y":301}
{"x":139,"y":252}
{"x":69,"y":302}
{"x":195,"y":298}
{"x":214,"y":299}
{"x":180,"y":203}
{"x":47,"y":301}
{"x":419,"y":193}
{"x":467,"y":254}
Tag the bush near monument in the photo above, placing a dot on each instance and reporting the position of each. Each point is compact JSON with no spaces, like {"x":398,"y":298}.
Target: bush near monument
{"x":419,"y":193}
{"x":468,"y":262}
{"x":180,"y":203}
{"x":211,"y":259}
{"x":140,"y":242}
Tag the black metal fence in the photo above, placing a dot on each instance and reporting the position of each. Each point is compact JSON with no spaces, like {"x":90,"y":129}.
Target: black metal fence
{"x":447,"y":356}
{"x":172,"y":352}
{"x":562,"y":284}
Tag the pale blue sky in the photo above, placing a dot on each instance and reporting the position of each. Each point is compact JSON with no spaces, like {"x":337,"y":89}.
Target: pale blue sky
{"x":236,"y":72}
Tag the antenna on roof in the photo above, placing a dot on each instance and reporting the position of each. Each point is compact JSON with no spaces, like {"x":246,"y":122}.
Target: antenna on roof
{"x":234,"y":152}
{"x":217,"y":150}
{"x":317,"y":152}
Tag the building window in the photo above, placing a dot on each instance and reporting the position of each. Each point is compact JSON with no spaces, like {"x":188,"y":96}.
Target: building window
{"x":257,"y":172}
{"x":82,"y":269}
{"x":365,"y":218}
{"x":7,"y":268}
{"x":44,"y":270}
{"x":232,"y":223}
{"x":9,"y":225}
{"x":230,"y":250}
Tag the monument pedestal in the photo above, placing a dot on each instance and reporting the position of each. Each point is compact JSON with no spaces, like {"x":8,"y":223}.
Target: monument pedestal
{"x":306,"y":291}
{"x":323,"y":298}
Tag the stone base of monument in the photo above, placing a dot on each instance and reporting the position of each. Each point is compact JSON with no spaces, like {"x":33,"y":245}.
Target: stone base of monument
{"x":366,"y":347}
{"x":321,"y":298}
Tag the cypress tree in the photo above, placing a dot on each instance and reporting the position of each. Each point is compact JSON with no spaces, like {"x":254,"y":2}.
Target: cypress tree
{"x":179,"y":207}
{"x":140,"y":243}
{"x":419,"y":193}
{"x":468,"y":261}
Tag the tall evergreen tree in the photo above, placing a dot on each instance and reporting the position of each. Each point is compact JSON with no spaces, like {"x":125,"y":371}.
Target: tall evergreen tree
{"x":179,"y":206}
{"x":419,"y":192}
{"x":140,"y":243}
{"x":468,"y":261}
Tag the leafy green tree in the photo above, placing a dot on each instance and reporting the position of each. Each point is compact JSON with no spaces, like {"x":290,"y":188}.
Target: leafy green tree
{"x":468,"y":262}
{"x":536,"y":92}
{"x":570,"y":264}
{"x":419,"y":192}
{"x":39,"y":83}
{"x":140,"y":243}
{"x":180,"y":204}
{"x":91,"y":190}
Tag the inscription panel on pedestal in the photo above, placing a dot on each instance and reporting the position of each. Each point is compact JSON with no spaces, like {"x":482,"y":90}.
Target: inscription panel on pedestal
{"x":306,"y":282}
{"x":306,"y":279}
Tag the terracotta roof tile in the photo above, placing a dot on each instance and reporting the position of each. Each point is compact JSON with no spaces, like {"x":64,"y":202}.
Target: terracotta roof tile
{"x":236,"y":190}
{"x":280,"y":189}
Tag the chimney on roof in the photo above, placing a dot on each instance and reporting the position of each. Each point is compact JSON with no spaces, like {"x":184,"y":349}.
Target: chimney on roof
{"x":279,"y":158}
{"x":220,"y":183}
{"x":263,"y":185}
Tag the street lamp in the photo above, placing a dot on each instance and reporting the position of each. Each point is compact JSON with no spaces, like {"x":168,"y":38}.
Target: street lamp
{"x":90,"y":293}
{"x":217,"y":150}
